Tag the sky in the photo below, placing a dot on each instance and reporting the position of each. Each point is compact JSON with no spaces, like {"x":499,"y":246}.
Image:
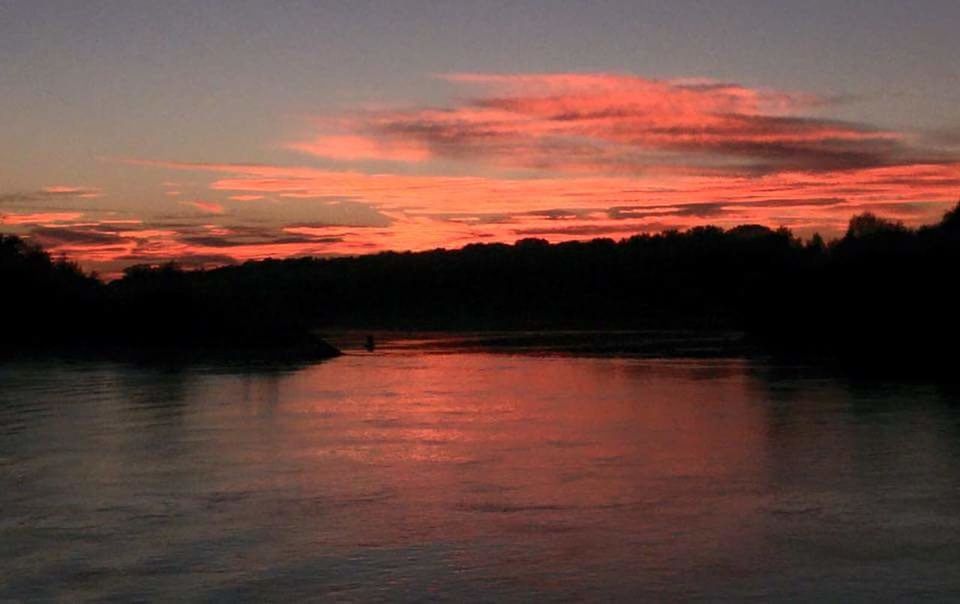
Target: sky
{"x":217,"y":132}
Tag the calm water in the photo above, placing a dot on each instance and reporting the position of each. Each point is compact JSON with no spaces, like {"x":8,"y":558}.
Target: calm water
{"x":408,"y":475}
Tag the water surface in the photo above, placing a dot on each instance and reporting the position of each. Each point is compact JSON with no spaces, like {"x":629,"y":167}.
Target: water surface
{"x":410,"y":474}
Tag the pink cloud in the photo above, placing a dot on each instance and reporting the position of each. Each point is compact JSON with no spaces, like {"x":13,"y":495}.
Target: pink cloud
{"x":608,"y":123}
{"x":206,"y":207}
{"x":71,"y":191}
{"x":446,"y":211}
{"x":354,"y":147}
{"x":414,"y":194}
{"x":39,"y":218}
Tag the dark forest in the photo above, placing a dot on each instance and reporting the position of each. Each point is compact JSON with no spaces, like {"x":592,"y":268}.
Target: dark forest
{"x":881,"y":295}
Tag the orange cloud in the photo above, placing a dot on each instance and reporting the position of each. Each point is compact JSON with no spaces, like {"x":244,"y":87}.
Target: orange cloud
{"x":419,"y":194}
{"x":353,"y":147}
{"x":445,"y":211}
{"x":607,"y":123}
{"x":206,"y":207}
{"x":70,"y":191}
{"x":39,"y":218}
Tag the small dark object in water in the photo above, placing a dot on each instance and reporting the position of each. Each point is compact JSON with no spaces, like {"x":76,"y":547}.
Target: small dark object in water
{"x":369,"y":345}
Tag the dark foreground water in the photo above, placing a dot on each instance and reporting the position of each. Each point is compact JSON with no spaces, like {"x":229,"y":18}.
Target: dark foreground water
{"x":411,"y":475}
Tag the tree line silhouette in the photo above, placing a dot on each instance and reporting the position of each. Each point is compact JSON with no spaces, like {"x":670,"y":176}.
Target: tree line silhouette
{"x":883,"y":294}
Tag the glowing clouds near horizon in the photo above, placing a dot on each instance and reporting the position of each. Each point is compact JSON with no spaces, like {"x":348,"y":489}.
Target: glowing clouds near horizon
{"x":558,"y":156}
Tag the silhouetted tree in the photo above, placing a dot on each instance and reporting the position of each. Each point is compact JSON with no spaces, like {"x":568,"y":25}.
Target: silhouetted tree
{"x":869,"y":225}
{"x":876,"y":296}
{"x":43,"y":299}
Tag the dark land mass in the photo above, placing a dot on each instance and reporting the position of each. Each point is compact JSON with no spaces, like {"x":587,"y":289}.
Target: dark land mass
{"x":882,"y":298}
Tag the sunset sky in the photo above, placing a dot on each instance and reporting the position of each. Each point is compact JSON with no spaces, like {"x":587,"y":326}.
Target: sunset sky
{"x":215,"y":132}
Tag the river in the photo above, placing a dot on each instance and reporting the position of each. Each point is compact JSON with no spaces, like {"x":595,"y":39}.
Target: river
{"x":416,"y":473}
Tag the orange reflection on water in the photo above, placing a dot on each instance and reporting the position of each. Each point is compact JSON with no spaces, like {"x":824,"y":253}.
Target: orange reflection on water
{"x":596,"y":456}
{"x":473,"y":476}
